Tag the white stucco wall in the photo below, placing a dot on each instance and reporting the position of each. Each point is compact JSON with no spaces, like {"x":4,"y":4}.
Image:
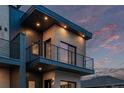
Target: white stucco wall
{"x":4,"y":78}
{"x":4,"y":23}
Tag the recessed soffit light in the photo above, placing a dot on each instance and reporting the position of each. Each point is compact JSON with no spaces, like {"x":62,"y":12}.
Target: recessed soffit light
{"x":45,"y":18}
{"x":38,"y":24}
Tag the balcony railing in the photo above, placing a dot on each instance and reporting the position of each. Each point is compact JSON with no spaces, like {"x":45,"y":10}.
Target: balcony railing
{"x":56,"y":53}
{"x":4,"y":48}
{"x":10,"y":49}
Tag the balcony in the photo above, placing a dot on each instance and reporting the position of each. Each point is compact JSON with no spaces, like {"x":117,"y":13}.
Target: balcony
{"x":59,"y":57}
{"x":6,"y":57}
{"x":10,"y":51}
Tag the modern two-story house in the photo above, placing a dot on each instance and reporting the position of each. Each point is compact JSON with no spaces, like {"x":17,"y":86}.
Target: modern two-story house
{"x":39,"y":48}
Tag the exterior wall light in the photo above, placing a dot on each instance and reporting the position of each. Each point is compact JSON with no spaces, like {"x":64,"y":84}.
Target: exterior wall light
{"x":38,"y":24}
{"x":45,"y":18}
{"x":40,"y":68}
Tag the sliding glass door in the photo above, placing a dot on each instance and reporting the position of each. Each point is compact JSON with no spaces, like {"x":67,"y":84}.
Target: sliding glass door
{"x":67,"y":53}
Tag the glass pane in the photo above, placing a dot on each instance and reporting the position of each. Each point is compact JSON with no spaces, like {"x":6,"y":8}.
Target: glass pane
{"x":64,"y":84}
{"x":72,"y":55}
{"x":64,"y":53}
{"x":35,"y":49}
{"x":71,"y":85}
{"x":67,"y":84}
{"x":48,"y":51}
{"x":31,"y":84}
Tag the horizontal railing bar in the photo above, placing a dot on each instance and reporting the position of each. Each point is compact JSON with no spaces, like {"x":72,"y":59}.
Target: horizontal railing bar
{"x":55,"y":54}
{"x":38,"y":42}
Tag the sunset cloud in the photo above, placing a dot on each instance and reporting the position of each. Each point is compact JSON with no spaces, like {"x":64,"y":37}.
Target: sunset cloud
{"x":103,"y":30}
{"x":108,"y":41}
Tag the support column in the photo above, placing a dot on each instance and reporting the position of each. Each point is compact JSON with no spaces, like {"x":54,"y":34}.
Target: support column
{"x":22,"y":69}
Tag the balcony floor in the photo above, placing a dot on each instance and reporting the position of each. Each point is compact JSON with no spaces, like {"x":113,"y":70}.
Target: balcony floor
{"x":48,"y":65}
{"x":9,"y":61}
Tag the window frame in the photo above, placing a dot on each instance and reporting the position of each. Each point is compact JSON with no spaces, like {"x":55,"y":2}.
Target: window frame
{"x":75,"y":83}
{"x":38,"y":49}
{"x":75,"y":63}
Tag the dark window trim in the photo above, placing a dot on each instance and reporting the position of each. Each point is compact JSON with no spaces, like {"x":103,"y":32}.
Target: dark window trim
{"x":0,"y":27}
{"x":71,"y":51}
{"x":69,"y":82}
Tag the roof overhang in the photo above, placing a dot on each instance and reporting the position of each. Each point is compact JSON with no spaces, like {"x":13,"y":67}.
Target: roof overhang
{"x":36,"y":13}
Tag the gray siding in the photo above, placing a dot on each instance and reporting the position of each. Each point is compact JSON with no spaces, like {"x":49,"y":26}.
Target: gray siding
{"x":4,"y":35}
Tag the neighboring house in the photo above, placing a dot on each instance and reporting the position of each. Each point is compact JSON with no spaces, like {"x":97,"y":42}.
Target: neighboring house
{"x":41,"y":49}
{"x":103,"y":82}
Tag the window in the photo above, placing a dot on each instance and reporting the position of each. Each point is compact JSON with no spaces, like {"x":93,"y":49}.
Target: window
{"x":31,"y":84}
{"x":68,"y":53}
{"x":0,"y":27}
{"x":35,"y":49}
{"x":67,"y":84}
{"x":5,"y":28}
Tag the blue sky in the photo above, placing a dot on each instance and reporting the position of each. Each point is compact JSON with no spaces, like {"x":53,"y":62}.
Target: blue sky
{"x":107,"y":25}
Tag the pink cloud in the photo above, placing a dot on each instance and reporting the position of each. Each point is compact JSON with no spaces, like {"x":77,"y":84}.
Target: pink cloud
{"x":87,"y":20}
{"x":103,"y":30}
{"x":104,"y":36}
{"x":112,"y":38}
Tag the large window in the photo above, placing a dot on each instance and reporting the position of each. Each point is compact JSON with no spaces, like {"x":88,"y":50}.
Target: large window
{"x":31,"y":84}
{"x":68,"y":53}
{"x":67,"y":84}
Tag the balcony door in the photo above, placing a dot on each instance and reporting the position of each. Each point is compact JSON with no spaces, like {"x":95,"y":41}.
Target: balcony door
{"x":67,"y":53}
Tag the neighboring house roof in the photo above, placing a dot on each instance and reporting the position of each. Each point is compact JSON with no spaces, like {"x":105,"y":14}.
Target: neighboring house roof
{"x":59,"y":19}
{"x":101,"y":81}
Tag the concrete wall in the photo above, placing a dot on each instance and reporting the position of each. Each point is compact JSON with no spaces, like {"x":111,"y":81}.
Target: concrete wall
{"x":31,"y":33}
{"x":56,"y":76}
{"x":4,"y":77}
{"x":36,"y":77}
{"x":57,"y":34}
{"x":4,"y":23}
{"x":14,"y":76}
{"x":49,"y":75}
{"x":67,"y":76}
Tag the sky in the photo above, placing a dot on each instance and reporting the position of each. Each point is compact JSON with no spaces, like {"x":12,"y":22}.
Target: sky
{"x":107,"y":25}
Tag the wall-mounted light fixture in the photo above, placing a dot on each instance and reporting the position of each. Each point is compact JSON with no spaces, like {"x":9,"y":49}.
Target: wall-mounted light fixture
{"x":39,"y":68}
